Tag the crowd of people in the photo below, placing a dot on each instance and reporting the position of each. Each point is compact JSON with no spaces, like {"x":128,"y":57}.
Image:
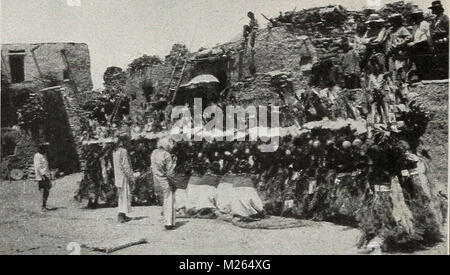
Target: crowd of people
{"x":389,"y":47}
{"x":385,"y":57}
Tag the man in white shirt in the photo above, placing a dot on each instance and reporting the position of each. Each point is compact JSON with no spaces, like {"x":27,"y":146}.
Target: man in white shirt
{"x":42,"y":173}
{"x":421,"y":48}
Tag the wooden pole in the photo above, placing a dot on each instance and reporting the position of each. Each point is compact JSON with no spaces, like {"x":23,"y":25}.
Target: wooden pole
{"x":35,"y":60}
{"x":6,"y":68}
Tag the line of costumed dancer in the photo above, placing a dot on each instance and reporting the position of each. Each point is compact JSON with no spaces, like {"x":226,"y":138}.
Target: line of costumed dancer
{"x":381,"y":185}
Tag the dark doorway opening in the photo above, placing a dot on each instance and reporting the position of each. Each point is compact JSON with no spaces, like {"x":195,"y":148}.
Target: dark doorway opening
{"x":17,"y":66}
{"x":148,"y":90}
{"x":66,"y":74}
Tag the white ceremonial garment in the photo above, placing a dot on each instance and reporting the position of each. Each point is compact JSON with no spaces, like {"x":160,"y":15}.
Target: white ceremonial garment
{"x":246,"y":202}
{"x":225,"y":194}
{"x":201,"y":193}
{"x":122,"y":175}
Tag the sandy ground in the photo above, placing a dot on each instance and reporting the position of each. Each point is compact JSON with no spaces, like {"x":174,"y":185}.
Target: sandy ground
{"x":24,"y":230}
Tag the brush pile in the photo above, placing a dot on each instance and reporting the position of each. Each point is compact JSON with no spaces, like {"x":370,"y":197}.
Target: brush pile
{"x":97,"y":185}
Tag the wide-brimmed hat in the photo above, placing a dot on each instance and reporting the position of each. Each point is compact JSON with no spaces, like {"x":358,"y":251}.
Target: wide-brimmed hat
{"x":436,"y":5}
{"x":374,"y":17}
{"x":417,"y":11}
{"x":395,"y":16}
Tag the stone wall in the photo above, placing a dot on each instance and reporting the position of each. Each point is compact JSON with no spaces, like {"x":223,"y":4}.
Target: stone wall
{"x":64,"y":127}
{"x":275,"y":49}
{"x":24,"y":150}
{"x":157,"y":76}
{"x":434,"y":98}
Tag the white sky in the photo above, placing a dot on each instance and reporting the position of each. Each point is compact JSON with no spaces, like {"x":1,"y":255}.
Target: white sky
{"x":117,"y":31}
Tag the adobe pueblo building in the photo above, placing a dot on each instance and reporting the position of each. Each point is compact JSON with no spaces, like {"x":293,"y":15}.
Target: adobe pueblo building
{"x":41,"y":84}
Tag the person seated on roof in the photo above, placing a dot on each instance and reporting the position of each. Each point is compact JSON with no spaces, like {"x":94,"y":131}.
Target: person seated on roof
{"x":375,"y":40}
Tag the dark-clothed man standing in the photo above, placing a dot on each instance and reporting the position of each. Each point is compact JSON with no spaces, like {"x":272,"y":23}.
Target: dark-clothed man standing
{"x":439,"y":26}
{"x":439,"y":34}
{"x":251,"y":29}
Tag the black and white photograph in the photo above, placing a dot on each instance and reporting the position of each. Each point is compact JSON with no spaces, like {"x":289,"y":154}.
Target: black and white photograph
{"x":208,"y":127}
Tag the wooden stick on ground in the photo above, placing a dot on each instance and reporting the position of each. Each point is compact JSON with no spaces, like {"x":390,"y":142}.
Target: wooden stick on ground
{"x":108,"y":250}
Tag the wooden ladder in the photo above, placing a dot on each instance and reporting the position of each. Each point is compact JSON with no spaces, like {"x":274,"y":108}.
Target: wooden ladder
{"x":176,"y":77}
{"x":116,"y":109}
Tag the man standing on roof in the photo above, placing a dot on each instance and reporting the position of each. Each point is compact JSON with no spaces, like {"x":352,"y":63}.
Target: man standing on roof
{"x":350,"y":65}
{"x":439,"y":26}
{"x":251,"y":29}
{"x":421,"y":28}
{"x":250,"y":32}
{"x":399,"y":36}
{"x":422,"y":46}
{"x":375,"y":40}
{"x":439,"y":34}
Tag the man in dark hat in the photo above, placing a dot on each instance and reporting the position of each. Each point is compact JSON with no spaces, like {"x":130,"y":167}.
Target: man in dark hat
{"x":439,"y":34}
{"x":42,"y":173}
{"x":439,"y":26}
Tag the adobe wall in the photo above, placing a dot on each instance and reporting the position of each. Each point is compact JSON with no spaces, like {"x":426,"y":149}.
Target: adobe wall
{"x":50,"y":62}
